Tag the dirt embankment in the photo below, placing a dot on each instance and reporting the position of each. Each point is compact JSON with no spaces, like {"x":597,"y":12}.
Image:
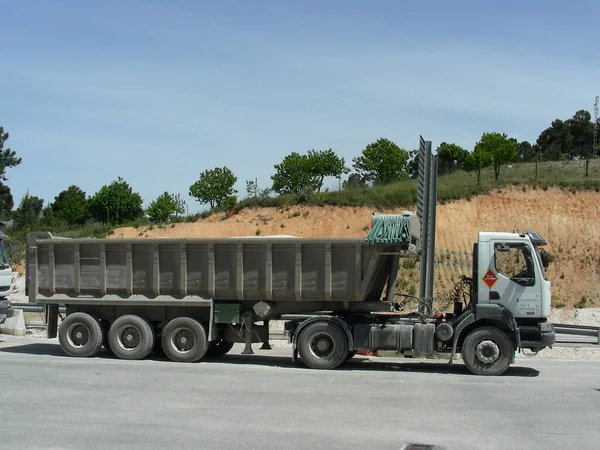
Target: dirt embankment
{"x":570,"y":222}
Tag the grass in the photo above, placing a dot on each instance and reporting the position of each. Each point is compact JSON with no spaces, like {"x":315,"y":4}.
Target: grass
{"x":458,"y":185}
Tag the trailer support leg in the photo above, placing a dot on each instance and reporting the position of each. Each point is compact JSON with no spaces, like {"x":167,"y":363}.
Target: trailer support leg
{"x":247,"y":320}
{"x":266,"y":345}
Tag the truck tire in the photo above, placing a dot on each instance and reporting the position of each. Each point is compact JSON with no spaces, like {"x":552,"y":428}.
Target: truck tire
{"x":130,"y":337}
{"x":184,"y":340}
{"x":487,"y":351}
{"x":219,"y":347}
{"x":323,"y":345}
{"x":80,"y":335}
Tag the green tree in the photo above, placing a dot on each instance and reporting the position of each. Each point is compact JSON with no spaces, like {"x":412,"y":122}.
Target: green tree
{"x":6,"y":201}
{"x":27,"y":215}
{"x":450,"y":157}
{"x":180,"y":205}
{"x":325,"y":163}
{"x":8,"y":157}
{"x":476,"y":162}
{"x":164,"y":207}
{"x":382,"y":162}
{"x":354,"y":181}
{"x":293,"y":175}
{"x":582,"y":130}
{"x":71,"y":206}
{"x":500,"y":147}
{"x":116,"y":203}
{"x":556,"y":141}
{"x":298,"y":173}
{"x":214,"y":186}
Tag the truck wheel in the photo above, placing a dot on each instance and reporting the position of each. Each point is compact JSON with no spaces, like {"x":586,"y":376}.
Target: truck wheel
{"x":219,"y":347}
{"x":487,"y":351}
{"x":80,"y":335}
{"x":130,"y":337}
{"x":323,"y":345}
{"x":184,"y":340}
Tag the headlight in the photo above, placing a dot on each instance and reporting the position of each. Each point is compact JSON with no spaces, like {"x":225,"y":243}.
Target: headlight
{"x":545,"y":327}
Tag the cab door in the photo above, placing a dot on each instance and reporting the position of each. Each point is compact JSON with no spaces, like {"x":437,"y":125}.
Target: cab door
{"x":513,"y":279}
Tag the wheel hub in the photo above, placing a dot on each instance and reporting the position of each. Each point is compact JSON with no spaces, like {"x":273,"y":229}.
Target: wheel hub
{"x":321,"y":345}
{"x":78,"y":335}
{"x":487,"y":352}
{"x":130,"y":338}
{"x":183,"y":340}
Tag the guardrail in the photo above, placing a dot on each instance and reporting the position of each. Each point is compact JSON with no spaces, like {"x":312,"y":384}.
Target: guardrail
{"x":568,"y":335}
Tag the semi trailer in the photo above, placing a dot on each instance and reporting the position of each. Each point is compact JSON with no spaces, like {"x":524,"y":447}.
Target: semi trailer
{"x":195,"y":298}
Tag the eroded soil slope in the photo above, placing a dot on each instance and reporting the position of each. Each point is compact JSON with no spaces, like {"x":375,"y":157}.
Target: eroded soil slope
{"x":569,"y":221}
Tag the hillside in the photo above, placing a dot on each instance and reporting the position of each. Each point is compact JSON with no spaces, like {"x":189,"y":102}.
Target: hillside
{"x":569,"y":220}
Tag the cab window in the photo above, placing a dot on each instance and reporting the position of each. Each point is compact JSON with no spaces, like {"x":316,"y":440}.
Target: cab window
{"x":515,"y":261}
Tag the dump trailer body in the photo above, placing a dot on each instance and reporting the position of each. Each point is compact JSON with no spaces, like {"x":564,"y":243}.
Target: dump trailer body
{"x":163,"y":271}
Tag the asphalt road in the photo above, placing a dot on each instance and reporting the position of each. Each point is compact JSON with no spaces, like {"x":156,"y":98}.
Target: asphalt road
{"x":50,"y":401}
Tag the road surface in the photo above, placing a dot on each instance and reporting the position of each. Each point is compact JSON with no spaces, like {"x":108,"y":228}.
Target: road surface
{"x":50,"y":401}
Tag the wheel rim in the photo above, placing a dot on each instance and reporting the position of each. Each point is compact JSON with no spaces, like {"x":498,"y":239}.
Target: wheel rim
{"x":129,"y":337}
{"x":321,"y":345}
{"x":487,"y":352}
{"x":78,"y":335}
{"x":183,"y":340}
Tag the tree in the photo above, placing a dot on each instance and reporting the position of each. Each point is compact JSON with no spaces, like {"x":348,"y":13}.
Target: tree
{"x":450,"y":157}
{"x":354,"y":181}
{"x":556,"y":142}
{"x":214,"y":186}
{"x":305,"y":173}
{"x":500,"y":147}
{"x":164,"y":207}
{"x":293,"y":175}
{"x":526,"y":152}
{"x":582,"y":130}
{"x":116,"y":203}
{"x":27,"y":215}
{"x":6,"y":201}
{"x":71,"y":206}
{"x":180,"y":205}
{"x":325,"y":163}
{"x":476,"y":162}
{"x":382,"y":162}
{"x":8,"y":158}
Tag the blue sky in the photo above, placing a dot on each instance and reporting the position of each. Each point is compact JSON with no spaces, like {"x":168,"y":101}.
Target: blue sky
{"x":158,"y":91}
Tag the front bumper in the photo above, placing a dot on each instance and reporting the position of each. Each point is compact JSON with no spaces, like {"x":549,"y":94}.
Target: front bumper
{"x":537,"y":336}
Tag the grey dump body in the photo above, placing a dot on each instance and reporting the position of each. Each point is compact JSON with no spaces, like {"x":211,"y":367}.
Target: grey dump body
{"x":142,"y":271}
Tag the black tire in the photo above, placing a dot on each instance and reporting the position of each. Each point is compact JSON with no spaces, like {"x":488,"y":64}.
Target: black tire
{"x":218,"y":348}
{"x":323,"y":345}
{"x":184,"y":340}
{"x":130,"y":337}
{"x":80,"y":335}
{"x":487,"y":351}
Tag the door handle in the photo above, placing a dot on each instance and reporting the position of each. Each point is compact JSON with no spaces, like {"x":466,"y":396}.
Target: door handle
{"x":494,"y":295}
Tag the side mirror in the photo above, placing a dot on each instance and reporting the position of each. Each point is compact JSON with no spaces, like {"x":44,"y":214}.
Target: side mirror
{"x":544,"y":256}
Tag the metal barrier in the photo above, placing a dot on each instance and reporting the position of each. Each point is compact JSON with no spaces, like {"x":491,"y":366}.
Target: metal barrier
{"x":568,"y":335}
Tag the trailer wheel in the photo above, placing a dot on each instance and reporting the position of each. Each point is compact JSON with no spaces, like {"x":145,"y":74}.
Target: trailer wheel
{"x":487,"y":351}
{"x":184,"y":340}
{"x":219,"y":347}
{"x":130,"y":337}
{"x":80,"y":335}
{"x":323,"y":345}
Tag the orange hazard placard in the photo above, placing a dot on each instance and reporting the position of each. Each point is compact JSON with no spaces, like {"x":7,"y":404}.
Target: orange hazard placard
{"x":489,"y":278}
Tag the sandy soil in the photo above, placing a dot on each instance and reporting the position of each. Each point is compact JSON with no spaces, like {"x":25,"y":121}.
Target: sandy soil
{"x":570,"y":222}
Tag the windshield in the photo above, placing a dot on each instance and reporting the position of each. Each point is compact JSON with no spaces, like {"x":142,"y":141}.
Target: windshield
{"x":3,"y":256}
{"x":539,"y":258}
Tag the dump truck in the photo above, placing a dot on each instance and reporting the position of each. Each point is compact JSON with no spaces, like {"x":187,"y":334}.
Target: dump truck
{"x":196,"y":298}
